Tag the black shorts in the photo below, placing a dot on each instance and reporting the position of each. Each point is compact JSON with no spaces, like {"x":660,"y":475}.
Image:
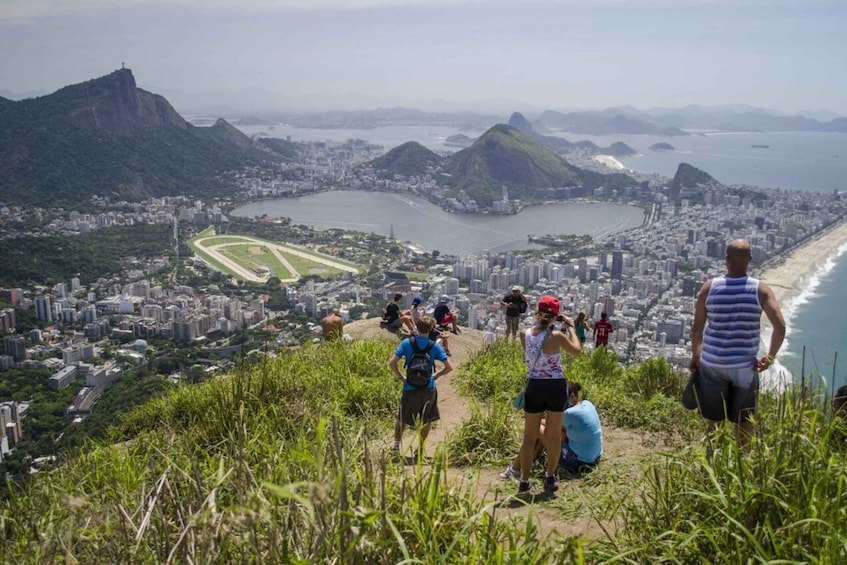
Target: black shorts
{"x":549,"y":395}
{"x":419,"y":406}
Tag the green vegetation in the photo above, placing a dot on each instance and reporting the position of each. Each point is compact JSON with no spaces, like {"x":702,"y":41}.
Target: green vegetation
{"x":243,"y":251}
{"x":276,"y":464}
{"x":688,"y":176}
{"x":503,"y":156}
{"x":106,"y":137}
{"x":32,"y":260}
{"x":409,"y":159}
{"x":286,"y":461}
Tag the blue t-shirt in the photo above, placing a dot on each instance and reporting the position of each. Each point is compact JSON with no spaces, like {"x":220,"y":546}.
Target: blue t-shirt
{"x":585,"y":435}
{"x":404,"y":351}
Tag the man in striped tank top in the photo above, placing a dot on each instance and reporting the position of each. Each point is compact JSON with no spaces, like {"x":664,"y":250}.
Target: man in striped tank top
{"x":725,"y":340}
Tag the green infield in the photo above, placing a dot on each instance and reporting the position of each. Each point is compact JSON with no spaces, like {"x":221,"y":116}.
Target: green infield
{"x":255,"y":259}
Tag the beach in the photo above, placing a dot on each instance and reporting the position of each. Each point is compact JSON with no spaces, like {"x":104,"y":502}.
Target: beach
{"x":794,"y":281}
{"x":610,"y":162}
{"x":788,"y":277}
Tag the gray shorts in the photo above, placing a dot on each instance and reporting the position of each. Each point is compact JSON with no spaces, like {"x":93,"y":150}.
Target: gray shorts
{"x":729,"y":394}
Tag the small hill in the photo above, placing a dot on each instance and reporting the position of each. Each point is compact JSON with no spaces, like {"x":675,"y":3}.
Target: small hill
{"x":661,"y":147}
{"x":408,"y":159}
{"x":109,"y":138}
{"x":458,"y":140}
{"x":503,"y":156}
{"x":688,"y":182}
{"x":619,"y":149}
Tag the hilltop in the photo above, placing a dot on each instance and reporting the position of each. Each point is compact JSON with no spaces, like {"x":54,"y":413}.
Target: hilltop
{"x":409,"y":159}
{"x":688,"y":181}
{"x":505,"y":157}
{"x":107,"y":137}
{"x":286,"y":459}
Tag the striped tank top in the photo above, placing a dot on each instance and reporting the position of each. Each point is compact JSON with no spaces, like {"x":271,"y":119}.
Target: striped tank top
{"x":733,"y":315}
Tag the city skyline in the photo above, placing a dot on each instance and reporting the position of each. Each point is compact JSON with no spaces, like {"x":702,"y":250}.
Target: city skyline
{"x":486,"y":55}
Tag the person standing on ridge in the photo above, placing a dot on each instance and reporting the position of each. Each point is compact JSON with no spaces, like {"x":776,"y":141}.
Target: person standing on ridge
{"x":516,"y":305}
{"x":580,"y":326}
{"x":418,"y":404}
{"x":332,"y":325}
{"x":546,"y":388}
{"x":602,"y":330}
{"x":725,"y":337}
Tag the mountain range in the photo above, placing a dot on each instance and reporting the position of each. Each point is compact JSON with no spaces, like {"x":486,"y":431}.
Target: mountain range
{"x":107,"y":137}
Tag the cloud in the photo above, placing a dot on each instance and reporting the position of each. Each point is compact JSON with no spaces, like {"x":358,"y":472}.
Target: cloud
{"x":26,"y":10}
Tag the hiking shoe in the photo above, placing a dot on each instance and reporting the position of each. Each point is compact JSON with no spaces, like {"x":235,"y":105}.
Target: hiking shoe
{"x":524,"y":488}
{"x":551,"y":483}
{"x":510,"y":473}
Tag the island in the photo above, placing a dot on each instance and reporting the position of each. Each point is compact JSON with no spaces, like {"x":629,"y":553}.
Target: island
{"x":661,"y":147}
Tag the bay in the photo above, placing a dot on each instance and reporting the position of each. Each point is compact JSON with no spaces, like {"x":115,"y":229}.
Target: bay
{"x":421,"y":222}
{"x":793,"y":160}
{"x":814,"y":161}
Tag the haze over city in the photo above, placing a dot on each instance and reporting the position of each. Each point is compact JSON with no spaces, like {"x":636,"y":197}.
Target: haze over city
{"x":486,"y":55}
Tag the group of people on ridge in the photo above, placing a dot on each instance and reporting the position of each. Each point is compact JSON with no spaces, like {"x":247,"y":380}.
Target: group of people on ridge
{"x":558,"y":420}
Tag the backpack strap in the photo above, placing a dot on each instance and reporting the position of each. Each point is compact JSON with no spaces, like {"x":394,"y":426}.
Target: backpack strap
{"x":547,"y":333}
{"x":412,"y":342}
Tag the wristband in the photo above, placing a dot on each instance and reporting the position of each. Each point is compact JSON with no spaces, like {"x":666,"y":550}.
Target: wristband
{"x":771,"y":359}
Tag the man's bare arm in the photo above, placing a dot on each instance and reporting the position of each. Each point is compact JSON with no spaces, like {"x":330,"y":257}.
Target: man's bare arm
{"x":771,"y":308}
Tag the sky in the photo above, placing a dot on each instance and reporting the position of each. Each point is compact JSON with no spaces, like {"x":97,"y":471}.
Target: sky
{"x":438,"y":54}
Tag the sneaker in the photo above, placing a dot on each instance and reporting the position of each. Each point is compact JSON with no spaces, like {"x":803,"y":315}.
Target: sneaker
{"x":524,"y":488}
{"x":510,"y":473}
{"x":551,"y":483}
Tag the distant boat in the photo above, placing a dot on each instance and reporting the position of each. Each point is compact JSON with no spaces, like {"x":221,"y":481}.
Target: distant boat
{"x":754,"y":146}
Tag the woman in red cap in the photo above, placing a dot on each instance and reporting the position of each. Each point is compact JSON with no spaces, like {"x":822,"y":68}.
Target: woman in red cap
{"x":546,"y":387}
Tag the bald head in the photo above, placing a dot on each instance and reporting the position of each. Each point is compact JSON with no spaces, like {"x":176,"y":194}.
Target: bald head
{"x":738,"y":256}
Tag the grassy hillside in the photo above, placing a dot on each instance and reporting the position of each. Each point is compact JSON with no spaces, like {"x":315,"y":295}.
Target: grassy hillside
{"x":285,"y":461}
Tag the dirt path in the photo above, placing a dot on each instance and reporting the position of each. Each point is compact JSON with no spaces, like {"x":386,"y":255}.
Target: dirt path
{"x":623,"y":449}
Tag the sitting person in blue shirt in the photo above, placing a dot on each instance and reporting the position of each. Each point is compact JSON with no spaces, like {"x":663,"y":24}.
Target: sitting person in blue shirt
{"x":582,"y":442}
{"x":582,"y":437}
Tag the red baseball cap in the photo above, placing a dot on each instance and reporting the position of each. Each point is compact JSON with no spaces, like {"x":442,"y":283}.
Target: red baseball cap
{"x":549,"y":304}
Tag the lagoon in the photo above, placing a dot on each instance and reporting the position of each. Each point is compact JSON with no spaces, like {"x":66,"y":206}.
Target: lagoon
{"x":421,"y":222}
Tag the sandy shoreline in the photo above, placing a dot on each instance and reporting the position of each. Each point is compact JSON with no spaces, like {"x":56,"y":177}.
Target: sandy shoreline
{"x":787,"y":277}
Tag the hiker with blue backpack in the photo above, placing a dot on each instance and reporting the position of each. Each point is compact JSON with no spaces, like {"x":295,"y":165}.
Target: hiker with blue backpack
{"x":419,"y":399}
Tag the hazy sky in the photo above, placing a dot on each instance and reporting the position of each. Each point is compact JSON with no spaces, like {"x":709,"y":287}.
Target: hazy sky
{"x":787,"y":55}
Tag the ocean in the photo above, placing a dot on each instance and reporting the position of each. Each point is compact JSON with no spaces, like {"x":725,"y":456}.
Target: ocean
{"x":816,"y":316}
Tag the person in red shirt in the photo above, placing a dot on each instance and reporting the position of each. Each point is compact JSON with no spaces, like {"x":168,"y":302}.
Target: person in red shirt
{"x":602,"y":330}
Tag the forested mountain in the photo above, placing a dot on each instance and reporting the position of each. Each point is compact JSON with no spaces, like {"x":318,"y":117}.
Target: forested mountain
{"x":109,"y":138}
{"x":505,"y":157}
{"x":408,"y":159}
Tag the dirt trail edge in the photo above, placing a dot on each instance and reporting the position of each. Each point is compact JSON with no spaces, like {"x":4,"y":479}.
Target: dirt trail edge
{"x":618,"y":445}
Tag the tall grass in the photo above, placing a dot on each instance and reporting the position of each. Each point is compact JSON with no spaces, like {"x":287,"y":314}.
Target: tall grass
{"x":644,"y":396}
{"x":782,"y":499}
{"x":275,"y":464}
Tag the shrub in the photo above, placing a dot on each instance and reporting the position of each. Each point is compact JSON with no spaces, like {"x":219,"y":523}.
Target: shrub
{"x":490,"y":435}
